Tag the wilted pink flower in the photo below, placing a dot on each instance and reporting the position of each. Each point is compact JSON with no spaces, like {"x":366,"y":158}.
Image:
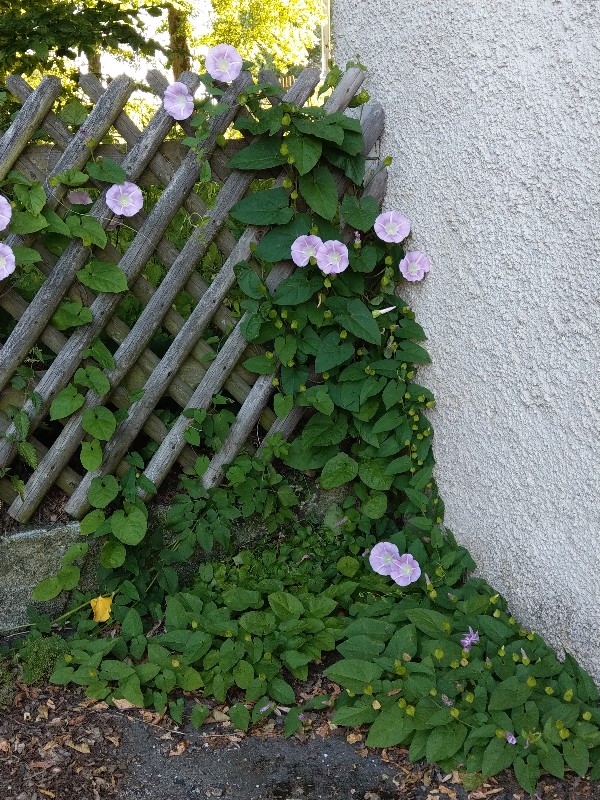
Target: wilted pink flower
{"x":510,"y":737}
{"x":446,"y":700}
{"x":332,"y":257}
{"x":5,"y":212}
{"x":382,"y":557}
{"x":392,"y":226}
{"x":125,"y":199}
{"x":405,"y":570}
{"x":223,"y":63}
{"x":79,"y":198}
{"x":305,"y":248}
{"x":414,"y":266}
{"x":469,"y":639}
{"x":7,"y":261}
{"x":178,"y":102}
{"x":340,"y":522}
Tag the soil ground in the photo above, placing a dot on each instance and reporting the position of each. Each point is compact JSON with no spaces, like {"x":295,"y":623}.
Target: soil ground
{"x":59,"y":745}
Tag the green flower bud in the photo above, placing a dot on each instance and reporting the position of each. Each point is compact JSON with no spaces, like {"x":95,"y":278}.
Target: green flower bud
{"x":287,"y":184}
{"x":564,"y":733}
{"x":388,"y":261}
{"x":549,"y":690}
{"x":531,"y":682}
{"x":568,"y":695}
{"x":284,"y":314}
{"x":587,"y":715}
{"x":439,"y":654}
{"x":410,"y":710}
{"x":343,"y":334}
{"x":269,"y":354}
{"x":387,"y":161}
{"x":294,"y":195}
{"x":285,"y":120}
{"x":454,"y":712}
{"x":284,"y":150}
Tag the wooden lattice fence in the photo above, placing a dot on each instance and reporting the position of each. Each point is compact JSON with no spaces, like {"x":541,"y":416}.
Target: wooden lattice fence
{"x":191,"y":372}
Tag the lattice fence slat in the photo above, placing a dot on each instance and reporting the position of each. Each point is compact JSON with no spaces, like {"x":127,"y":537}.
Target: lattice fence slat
{"x":191,"y":371}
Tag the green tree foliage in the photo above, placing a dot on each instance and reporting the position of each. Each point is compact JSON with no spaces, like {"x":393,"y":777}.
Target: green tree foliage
{"x":43,"y":36}
{"x":276,"y":34}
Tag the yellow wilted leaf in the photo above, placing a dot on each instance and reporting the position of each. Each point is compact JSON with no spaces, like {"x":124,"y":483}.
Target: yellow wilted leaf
{"x":101,"y":608}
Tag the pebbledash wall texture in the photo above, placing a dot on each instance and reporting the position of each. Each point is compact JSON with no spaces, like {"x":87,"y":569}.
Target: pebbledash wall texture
{"x":492,"y":115}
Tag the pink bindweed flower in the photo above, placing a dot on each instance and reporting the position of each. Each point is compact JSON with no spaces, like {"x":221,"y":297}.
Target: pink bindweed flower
{"x":332,"y":257}
{"x":469,"y":639}
{"x":79,"y":198}
{"x":305,"y":248}
{"x":125,"y":199}
{"x":5,"y":212}
{"x":223,"y":63}
{"x":510,"y":737}
{"x":382,"y":557}
{"x":414,"y":265}
{"x":7,"y":261}
{"x":392,"y":226}
{"x":405,"y":570}
{"x":178,"y":102}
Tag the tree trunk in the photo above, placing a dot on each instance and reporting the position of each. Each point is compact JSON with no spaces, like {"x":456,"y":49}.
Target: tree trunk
{"x":178,"y":43}
{"x":95,"y":64}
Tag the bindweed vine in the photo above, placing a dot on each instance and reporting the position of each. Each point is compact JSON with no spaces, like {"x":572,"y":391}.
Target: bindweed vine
{"x":428,"y":657}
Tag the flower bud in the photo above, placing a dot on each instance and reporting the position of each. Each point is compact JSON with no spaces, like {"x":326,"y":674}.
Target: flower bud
{"x":287,"y":184}
{"x":549,"y":690}
{"x":587,"y":715}
{"x":454,"y":712}
{"x":285,"y":120}
{"x":387,"y":161}
{"x":294,"y":195}
{"x":388,"y":261}
{"x":376,"y":705}
{"x":302,"y":388}
{"x":433,"y":692}
{"x":284,"y":314}
{"x":368,"y":689}
{"x":294,"y":324}
{"x":343,"y":334}
{"x":568,"y":695}
{"x":531,"y":682}
{"x":327,"y":283}
{"x":454,"y":664}
{"x":194,"y":624}
{"x":439,"y":654}
{"x":175,"y":663}
{"x":410,"y":710}
{"x":279,"y":324}
{"x":470,"y":697}
{"x":291,"y":160}
{"x":243,"y":99}
{"x":272,"y":314}
{"x":402,"y":703}
{"x":269,"y":354}
{"x":284,"y":150}
{"x":275,"y":382}
{"x":291,"y":363}
{"x":564,"y":733}
{"x":496,"y":613}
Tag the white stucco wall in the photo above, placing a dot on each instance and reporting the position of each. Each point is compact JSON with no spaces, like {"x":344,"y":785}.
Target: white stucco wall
{"x":493,"y":122}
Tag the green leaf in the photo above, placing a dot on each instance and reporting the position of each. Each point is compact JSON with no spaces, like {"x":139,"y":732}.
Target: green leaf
{"x":249,"y":282}
{"x":361,"y":647}
{"x":91,"y":455}
{"x":25,"y":255}
{"x":551,"y":759}
{"x":239,"y":599}
{"x":239,"y":716}
{"x":113,"y":670}
{"x":261,"y":365}
{"x":375,"y":505}
{"x":354,"y":673}
{"x":283,"y":405}
{"x":91,"y":521}
{"x":527,"y":772}
{"x":498,"y":755}
{"x":358,"y":320}
{"x":198,"y":715}
{"x":100,"y":352}
{"x":353,"y":716}
{"x":88,"y":230}
{"x":409,"y":351}
{"x":276,"y":244}
{"x":56,"y":224}
{"x":189,"y":679}
{"x":281,"y":691}
{"x":132,"y":624}
{"x":103,"y":277}
{"x":24,"y":222}
{"x":92,"y":378}
{"x":130,"y":690}
{"x":577,"y":756}
{"x":66,"y":402}
{"x":445,"y":741}
{"x":348,"y":566}
{"x":47,"y":589}
{"x":71,"y":177}
{"x":373,"y":474}
{"x":292,"y":723}
{"x":77,"y":550}
{"x":319,"y":190}
{"x":112,"y":555}
{"x":511,"y":693}
{"x":430,"y":622}
{"x":99,"y":422}
{"x":261,"y":154}
{"x":391,"y":727}
{"x":103,"y":491}
{"x":32,"y":197}
{"x":269,"y":207}
{"x":338,"y":470}
{"x":298,"y":288}
{"x":320,"y":606}
{"x":69,"y":576}
{"x":71,"y":315}
{"x":360,"y":213}
{"x":333,"y":352}
{"x":285,"y":605}
{"x":106,"y":169}
{"x":305,"y":151}
{"x":320,"y":128}
{"x":73,"y":113}
{"x":129,"y":527}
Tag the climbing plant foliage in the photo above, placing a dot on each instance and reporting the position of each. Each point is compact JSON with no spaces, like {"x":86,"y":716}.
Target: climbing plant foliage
{"x":438,"y":665}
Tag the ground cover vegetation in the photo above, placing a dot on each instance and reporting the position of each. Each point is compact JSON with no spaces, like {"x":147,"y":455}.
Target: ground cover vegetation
{"x":378,"y":589}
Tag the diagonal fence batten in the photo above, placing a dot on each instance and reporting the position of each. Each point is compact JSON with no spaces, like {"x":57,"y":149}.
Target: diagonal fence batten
{"x":145,"y":383}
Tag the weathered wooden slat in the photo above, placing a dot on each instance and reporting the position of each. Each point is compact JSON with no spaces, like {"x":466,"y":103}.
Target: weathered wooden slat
{"x":232,"y":191}
{"x":48,"y":295}
{"x":132,"y":263}
{"x":166,"y":455}
{"x":32,"y":113}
